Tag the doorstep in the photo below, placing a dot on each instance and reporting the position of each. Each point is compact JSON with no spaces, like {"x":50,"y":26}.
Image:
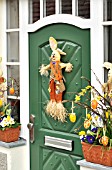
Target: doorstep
{"x":84,"y":165}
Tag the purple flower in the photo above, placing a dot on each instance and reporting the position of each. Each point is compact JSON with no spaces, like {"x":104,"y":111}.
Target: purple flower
{"x":82,"y":138}
{"x":90,"y":139}
{"x":94,"y":130}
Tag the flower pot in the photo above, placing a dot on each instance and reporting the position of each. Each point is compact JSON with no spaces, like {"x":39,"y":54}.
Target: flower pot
{"x":97,"y":154}
{"x":10,"y":134}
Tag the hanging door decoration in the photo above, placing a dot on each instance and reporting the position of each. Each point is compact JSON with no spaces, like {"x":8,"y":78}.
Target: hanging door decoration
{"x":56,"y":88}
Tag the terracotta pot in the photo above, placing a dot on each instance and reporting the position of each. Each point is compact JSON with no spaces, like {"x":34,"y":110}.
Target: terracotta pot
{"x":97,"y":154}
{"x":10,"y":134}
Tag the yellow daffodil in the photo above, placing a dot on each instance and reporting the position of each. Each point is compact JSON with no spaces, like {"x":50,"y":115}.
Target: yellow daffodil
{"x":82,"y":133}
{"x":96,"y":117}
{"x":98,"y":97}
{"x":105,"y":95}
{"x":88,"y":87}
{"x":77,"y":98}
{"x":8,"y":118}
{"x":1,"y":103}
{"x":107,"y":114}
{"x":83,"y":90}
{"x":81,"y":94}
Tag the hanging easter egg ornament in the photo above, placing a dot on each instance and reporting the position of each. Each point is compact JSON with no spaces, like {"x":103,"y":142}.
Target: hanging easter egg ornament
{"x":104,"y":140}
{"x":72,"y":116}
{"x":11,"y":90}
{"x":94,"y":104}
{"x":87,"y":124}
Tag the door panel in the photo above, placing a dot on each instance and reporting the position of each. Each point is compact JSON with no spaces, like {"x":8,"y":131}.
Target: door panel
{"x":59,"y":161}
{"x":76,"y":43}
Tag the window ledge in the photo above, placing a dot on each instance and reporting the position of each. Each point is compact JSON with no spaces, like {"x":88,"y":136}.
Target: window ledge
{"x":84,"y":163}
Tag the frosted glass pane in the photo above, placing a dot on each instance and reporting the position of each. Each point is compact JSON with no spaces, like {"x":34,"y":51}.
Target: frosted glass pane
{"x":13,"y":72}
{"x":13,"y":47}
{"x":12,"y":14}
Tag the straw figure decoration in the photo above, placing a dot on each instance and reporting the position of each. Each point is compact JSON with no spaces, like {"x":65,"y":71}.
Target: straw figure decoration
{"x":56,"y":88}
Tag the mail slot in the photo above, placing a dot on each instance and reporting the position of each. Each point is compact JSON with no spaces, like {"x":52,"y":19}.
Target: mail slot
{"x":59,"y":143}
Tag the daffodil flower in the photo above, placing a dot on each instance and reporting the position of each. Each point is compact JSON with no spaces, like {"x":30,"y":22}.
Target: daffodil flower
{"x":105,"y":95}
{"x":98,"y":97}
{"x":81,"y":94}
{"x":96,"y":117}
{"x":88,"y":87}
{"x":83,"y":90}
{"x":107,"y":114}
{"x":8,"y":118}
{"x":82,"y":133}
{"x":77,"y":98}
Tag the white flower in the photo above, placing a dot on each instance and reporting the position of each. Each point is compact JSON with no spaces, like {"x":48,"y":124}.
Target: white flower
{"x":97,"y":120}
{"x":81,"y":137}
{"x":11,"y":121}
{"x":3,"y":123}
{"x":7,"y":121}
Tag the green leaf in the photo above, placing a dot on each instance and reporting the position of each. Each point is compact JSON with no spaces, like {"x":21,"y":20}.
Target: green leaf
{"x":8,"y":112}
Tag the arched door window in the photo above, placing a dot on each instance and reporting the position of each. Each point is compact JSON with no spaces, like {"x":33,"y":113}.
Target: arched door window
{"x":43,"y":8}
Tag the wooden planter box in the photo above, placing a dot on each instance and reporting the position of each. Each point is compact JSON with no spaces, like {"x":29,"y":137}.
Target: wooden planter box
{"x":10,"y":134}
{"x":97,"y":154}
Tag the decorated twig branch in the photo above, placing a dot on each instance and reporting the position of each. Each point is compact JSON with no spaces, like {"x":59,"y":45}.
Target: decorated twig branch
{"x":98,"y":111}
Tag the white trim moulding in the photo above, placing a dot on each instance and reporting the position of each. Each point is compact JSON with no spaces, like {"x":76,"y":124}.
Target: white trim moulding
{"x":60,"y":18}
{"x":106,"y":23}
{"x":13,"y":97}
{"x":12,"y":63}
{"x":13,"y":30}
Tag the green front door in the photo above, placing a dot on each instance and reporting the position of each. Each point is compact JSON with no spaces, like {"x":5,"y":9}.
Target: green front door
{"x":76,"y":43}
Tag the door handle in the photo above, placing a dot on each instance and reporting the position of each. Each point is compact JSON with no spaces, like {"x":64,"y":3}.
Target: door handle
{"x":31,"y":128}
